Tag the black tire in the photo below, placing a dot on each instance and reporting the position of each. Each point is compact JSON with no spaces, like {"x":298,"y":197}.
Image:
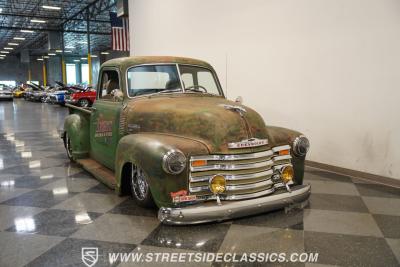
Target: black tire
{"x":67,"y":145}
{"x":83,"y":103}
{"x":140,"y":189}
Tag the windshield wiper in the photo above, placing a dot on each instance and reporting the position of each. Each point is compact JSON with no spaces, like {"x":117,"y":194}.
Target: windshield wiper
{"x":170,"y":90}
{"x":197,"y":89}
{"x":194,"y":90}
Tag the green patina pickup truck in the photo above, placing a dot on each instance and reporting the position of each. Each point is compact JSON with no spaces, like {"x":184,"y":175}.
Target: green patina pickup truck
{"x":162,"y":131}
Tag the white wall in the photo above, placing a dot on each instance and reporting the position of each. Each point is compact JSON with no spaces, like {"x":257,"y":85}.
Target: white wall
{"x":328,"y":68}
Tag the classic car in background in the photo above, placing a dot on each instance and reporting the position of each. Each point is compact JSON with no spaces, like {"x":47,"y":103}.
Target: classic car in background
{"x":58,"y":94}
{"x":5,"y":92}
{"x":34,"y":93}
{"x":162,"y":131}
{"x":63,"y":93}
{"x":19,"y":91}
{"x":82,"y":98}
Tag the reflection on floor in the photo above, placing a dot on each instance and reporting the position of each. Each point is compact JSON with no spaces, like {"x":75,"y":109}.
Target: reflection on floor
{"x":51,"y":208}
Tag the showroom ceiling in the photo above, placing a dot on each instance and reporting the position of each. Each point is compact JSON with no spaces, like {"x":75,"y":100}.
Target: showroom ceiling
{"x":26,"y":24}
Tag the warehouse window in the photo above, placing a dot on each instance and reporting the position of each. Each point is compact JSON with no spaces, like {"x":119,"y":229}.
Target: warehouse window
{"x":85,"y":73}
{"x":8,"y":83}
{"x":71,"y":73}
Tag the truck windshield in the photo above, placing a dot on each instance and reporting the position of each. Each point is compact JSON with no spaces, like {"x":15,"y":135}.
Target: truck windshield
{"x":143,"y":80}
{"x":150,"y":79}
{"x":198,"y":79}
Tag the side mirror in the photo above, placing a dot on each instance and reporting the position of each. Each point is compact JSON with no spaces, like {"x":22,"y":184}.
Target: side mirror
{"x":239,"y":100}
{"x":117,"y":95}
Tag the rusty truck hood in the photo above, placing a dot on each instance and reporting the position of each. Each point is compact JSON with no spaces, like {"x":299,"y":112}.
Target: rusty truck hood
{"x":205,"y":118}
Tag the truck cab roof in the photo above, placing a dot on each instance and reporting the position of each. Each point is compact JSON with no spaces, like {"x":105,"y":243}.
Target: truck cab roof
{"x":126,"y":62}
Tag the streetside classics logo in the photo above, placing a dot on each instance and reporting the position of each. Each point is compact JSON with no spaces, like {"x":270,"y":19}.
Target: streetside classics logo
{"x":90,"y":256}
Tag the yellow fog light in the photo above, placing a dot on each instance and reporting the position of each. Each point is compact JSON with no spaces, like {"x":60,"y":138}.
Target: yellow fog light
{"x":217,"y":184}
{"x":287,"y":174}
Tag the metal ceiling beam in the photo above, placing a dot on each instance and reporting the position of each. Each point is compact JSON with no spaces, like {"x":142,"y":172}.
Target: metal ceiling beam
{"x":50,"y":17}
{"x":51,"y":30}
{"x":94,"y":4}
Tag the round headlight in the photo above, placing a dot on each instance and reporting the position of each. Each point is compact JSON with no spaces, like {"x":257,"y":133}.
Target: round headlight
{"x":301,"y":146}
{"x":217,"y":184}
{"x":287,"y":174}
{"x":174,"y":162}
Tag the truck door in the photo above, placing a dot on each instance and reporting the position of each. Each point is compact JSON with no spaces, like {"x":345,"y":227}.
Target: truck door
{"x":104,"y":122}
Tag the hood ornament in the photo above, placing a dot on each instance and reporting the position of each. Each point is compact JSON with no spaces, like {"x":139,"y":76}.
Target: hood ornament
{"x":252,"y":142}
{"x":238,"y":109}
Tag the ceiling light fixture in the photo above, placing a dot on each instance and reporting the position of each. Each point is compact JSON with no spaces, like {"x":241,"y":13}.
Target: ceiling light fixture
{"x":83,"y":58}
{"x":38,"y":21}
{"x":28,"y":31}
{"x":8,"y":48}
{"x":19,"y":38}
{"x":70,"y":47}
{"x":51,"y":54}
{"x":67,"y":51}
{"x":40,"y":59}
{"x":76,"y":60}
{"x":13,"y":44}
{"x":46,"y":57}
{"x":4,"y":52}
{"x":105,"y":53}
{"x":93,"y":56}
{"x":52,"y":7}
{"x":59,"y":51}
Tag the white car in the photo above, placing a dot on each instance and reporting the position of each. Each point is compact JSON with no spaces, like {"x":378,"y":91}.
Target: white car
{"x":5,"y":93}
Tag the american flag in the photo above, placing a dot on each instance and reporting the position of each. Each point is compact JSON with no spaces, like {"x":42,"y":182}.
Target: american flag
{"x":120,"y":32}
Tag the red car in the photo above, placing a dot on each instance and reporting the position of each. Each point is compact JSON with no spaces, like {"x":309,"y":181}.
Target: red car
{"x":81,"y":98}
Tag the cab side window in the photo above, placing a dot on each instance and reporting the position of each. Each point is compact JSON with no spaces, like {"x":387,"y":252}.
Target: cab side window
{"x":109,"y":82}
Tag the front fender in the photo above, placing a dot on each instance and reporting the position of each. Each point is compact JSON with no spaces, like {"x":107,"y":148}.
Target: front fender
{"x":77,"y":127}
{"x":281,"y":136}
{"x":147,"y":150}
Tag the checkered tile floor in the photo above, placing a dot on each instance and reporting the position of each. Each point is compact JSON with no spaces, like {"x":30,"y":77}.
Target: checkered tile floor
{"x":50,"y":209}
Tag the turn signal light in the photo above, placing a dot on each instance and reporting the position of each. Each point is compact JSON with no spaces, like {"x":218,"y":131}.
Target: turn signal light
{"x":284,"y":152}
{"x":198,"y":163}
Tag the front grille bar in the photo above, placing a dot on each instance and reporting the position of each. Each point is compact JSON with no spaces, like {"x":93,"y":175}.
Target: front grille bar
{"x":233,"y":157}
{"x":232,"y":167}
{"x":233,"y":177}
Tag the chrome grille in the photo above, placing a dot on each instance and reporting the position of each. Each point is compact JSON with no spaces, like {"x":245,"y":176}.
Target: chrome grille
{"x":247,"y":175}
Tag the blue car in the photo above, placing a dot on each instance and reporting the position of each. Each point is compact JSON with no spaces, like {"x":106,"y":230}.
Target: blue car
{"x":58,"y":97}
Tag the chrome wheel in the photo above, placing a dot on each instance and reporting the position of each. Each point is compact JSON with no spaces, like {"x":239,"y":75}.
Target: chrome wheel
{"x":140,"y":187}
{"x":84,"y":103}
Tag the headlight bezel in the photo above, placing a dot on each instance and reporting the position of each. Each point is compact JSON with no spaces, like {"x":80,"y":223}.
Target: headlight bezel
{"x":169,"y":156}
{"x":301,"y":146}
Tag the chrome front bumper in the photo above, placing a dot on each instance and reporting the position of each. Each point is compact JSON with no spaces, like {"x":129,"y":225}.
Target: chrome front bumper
{"x":211,"y":211}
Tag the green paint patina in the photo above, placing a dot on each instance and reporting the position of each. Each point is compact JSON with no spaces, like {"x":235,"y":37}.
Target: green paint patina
{"x":141,"y":130}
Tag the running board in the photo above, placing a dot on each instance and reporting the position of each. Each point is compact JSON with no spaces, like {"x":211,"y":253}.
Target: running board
{"x":102,"y":173}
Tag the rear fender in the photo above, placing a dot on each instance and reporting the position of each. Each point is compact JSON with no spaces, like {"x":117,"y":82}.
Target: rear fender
{"x":147,"y":151}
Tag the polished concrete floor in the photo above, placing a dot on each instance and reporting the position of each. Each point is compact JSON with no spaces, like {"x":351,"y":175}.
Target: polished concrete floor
{"x":50,"y":209}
